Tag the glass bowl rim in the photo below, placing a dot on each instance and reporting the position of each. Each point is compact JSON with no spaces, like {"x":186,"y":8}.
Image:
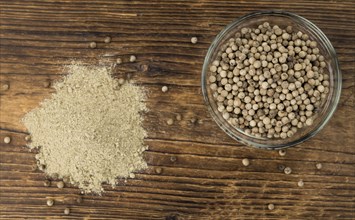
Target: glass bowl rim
{"x":336,"y":73}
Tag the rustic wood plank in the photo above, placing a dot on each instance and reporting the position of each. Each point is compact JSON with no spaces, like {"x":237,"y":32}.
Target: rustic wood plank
{"x":207,"y":180}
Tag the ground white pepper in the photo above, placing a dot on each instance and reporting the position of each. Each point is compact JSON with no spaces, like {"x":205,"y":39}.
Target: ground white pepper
{"x":194,"y":40}
{"x":54,"y":176}
{"x":272,"y":80}
{"x":81,"y":134}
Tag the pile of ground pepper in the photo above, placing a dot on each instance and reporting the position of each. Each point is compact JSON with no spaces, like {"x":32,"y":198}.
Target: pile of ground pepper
{"x":90,"y":130}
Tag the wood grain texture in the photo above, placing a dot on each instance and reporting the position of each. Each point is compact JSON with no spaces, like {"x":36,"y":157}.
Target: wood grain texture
{"x":207,"y":180}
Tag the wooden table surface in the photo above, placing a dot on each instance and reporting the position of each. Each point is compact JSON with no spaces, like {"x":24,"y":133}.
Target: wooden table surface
{"x":207,"y":180}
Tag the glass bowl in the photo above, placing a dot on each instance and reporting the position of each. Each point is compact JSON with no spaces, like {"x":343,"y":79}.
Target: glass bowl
{"x":282,"y":19}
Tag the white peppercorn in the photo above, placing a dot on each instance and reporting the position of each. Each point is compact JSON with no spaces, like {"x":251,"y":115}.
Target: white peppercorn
{"x":319,"y":166}
{"x":282,"y":152}
{"x":132,"y":58}
{"x":271,"y":81}
{"x":170,"y":121}
{"x":107,"y":39}
{"x":271,"y":206}
{"x":287,"y":170}
{"x":7,"y":140}
{"x":50,"y":202}
{"x":246,"y":162}
{"x":66,"y":211}
{"x":28,"y":138}
{"x":164,"y":89}
{"x":92,"y":45}
{"x":309,"y":122}
{"x":60,"y":184}
{"x":226,"y":115}
{"x":194,"y":40}
{"x":300,"y":183}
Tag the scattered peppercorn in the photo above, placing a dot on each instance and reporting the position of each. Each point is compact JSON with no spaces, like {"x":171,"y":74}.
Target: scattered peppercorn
{"x":287,"y":170}
{"x":271,"y":206}
{"x":300,"y":183}
{"x":47,"y":183}
{"x":92,"y":45}
{"x":132,"y":175}
{"x":60,"y":184}
{"x":28,"y":138}
{"x":50,"y":202}
{"x":178,"y":117}
{"x":319,"y":166}
{"x":41,"y":167}
{"x":164,"y":89}
{"x":282,"y":152}
{"x":193,"y":120}
{"x":158,"y":170}
{"x":107,"y":39}
{"x":173,"y":158}
{"x":121,"y":81}
{"x":79,"y":200}
{"x":5,"y":86}
{"x":132,"y":58}
{"x":246,"y":162}
{"x":7,"y":140}
{"x":269,"y":81}
{"x":170,"y":121}
{"x":119,"y":61}
{"x":34,"y":167}
{"x":194,"y":40}
{"x":66,"y":211}
{"x":47,"y":84}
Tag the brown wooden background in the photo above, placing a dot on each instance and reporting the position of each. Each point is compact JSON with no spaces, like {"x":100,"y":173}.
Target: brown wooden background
{"x":207,"y":181}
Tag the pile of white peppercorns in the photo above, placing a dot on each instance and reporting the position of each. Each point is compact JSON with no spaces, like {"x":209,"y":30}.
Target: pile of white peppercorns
{"x":269,"y":81}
